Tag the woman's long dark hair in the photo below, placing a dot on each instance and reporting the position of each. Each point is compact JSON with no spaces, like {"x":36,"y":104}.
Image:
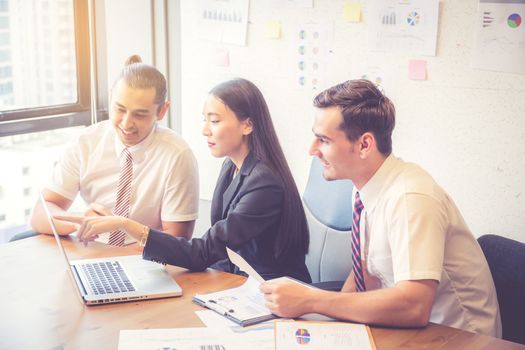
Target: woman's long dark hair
{"x":247,"y":101}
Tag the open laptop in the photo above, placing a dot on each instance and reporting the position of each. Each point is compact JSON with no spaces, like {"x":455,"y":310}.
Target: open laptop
{"x":116,"y":279}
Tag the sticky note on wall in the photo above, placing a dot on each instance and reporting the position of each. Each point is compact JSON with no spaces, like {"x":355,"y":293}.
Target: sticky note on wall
{"x":417,"y":70}
{"x":222,"y":57}
{"x":272,"y":30}
{"x":352,"y":12}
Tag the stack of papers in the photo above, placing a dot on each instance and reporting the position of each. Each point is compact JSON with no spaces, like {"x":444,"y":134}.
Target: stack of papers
{"x":242,"y":306}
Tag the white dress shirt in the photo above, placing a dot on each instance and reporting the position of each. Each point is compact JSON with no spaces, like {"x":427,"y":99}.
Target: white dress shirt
{"x":413,"y":230}
{"x":165,"y":176}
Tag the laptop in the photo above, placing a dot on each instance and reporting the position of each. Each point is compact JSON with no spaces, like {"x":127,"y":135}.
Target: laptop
{"x":116,"y":279}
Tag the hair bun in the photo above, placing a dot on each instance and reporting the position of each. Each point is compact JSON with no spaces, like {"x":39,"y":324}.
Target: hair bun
{"x":133,"y":59}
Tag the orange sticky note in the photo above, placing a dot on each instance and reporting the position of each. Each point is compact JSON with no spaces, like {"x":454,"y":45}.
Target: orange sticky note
{"x":352,"y":12}
{"x":272,"y":30}
{"x":222,"y":57}
{"x":417,"y":70}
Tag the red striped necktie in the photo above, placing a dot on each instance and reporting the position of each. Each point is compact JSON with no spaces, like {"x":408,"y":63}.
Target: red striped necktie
{"x":356,"y":246}
{"x":123,"y":195}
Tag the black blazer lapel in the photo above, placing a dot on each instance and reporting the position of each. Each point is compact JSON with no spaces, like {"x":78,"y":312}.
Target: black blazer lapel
{"x":236,"y":184}
{"x":230,"y":192}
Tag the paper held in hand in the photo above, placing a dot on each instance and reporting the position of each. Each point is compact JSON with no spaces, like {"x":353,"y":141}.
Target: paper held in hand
{"x":243,"y":305}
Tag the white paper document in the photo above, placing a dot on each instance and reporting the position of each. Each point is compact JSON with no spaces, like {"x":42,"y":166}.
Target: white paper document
{"x":223,"y":21}
{"x":176,"y":338}
{"x":243,"y":265}
{"x":408,"y":26}
{"x":290,"y":335}
{"x":500,"y":36}
{"x":244,"y":304}
{"x":256,"y":337}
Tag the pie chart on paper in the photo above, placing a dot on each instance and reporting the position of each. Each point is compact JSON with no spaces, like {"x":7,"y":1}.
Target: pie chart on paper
{"x":302,"y":336}
{"x":514,"y":20}
{"x":413,"y":18}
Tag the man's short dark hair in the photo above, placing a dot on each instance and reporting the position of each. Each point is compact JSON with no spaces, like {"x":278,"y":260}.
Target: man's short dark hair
{"x":364,"y":109}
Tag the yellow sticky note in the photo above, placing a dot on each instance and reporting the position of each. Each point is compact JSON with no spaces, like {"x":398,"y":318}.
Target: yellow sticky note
{"x":273,"y":30}
{"x":352,"y":12}
{"x":222,"y":57}
{"x":417,"y":70}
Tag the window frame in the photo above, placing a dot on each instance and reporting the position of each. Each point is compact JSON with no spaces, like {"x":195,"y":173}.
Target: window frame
{"x":35,"y":119}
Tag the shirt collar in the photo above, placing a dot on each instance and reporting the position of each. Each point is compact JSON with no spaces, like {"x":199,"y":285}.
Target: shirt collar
{"x":370,"y":192}
{"x":137,"y":151}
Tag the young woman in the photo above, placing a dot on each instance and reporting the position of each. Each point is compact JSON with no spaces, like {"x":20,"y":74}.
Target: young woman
{"x":256,"y":209}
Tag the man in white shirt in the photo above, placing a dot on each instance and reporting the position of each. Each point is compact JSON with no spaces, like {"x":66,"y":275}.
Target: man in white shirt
{"x":164,"y":181}
{"x":418,"y":260}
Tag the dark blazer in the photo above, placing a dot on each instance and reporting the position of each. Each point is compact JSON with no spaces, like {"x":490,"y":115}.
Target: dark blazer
{"x":245,"y":216}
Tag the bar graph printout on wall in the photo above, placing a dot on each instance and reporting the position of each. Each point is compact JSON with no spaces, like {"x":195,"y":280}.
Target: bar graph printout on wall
{"x":406,"y":26}
{"x":223,"y":21}
{"x":500,"y":36}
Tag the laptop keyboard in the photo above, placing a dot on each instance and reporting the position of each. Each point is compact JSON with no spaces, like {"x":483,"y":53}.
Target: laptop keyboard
{"x":107,"y":277}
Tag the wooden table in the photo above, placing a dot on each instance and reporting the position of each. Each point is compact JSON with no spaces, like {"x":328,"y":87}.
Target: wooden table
{"x":40,"y":309}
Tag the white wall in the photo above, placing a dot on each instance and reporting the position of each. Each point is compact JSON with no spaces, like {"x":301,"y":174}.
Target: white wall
{"x":128,"y":31}
{"x":465,"y":126}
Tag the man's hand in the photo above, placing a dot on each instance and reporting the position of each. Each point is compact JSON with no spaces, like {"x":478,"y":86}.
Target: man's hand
{"x":288,"y":299}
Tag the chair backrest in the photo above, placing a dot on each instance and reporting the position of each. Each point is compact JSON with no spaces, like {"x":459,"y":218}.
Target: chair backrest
{"x":506,"y":259}
{"x":329,"y":213}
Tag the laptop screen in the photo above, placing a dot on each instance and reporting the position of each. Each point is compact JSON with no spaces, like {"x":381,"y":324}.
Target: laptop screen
{"x":59,"y":242}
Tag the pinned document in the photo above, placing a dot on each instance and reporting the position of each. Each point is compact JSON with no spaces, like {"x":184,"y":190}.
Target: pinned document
{"x":352,"y":12}
{"x":290,"y":335}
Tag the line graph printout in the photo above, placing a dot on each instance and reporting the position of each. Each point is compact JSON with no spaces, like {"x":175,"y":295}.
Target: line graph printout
{"x":500,"y":36}
{"x":406,"y":26}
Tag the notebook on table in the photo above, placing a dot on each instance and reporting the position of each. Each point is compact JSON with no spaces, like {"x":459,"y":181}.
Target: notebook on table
{"x":244,"y":305}
{"x":116,"y":279}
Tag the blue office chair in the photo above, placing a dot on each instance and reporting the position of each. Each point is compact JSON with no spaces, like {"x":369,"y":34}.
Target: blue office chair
{"x":328,"y":207}
{"x":506,"y":259}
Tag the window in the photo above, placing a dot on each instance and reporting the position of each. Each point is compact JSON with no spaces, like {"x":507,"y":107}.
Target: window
{"x":5,"y":55}
{"x":6,"y":88}
{"x":36,"y":67}
{"x":4,"y":22}
{"x":5,"y":72}
{"x":4,"y":39}
{"x":44,"y":96}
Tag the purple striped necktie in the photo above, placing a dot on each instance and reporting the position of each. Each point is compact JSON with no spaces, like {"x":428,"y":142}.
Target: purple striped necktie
{"x":123,"y":195}
{"x":356,"y":246}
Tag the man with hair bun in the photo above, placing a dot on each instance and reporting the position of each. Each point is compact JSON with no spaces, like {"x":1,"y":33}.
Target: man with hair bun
{"x":129,"y":165}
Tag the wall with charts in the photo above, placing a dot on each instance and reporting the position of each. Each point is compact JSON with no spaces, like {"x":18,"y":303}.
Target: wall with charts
{"x":465,"y":125}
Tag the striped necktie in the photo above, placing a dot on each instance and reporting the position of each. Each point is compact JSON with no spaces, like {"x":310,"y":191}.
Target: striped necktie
{"x":356,"y":246}
{"x":123,"y":195}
